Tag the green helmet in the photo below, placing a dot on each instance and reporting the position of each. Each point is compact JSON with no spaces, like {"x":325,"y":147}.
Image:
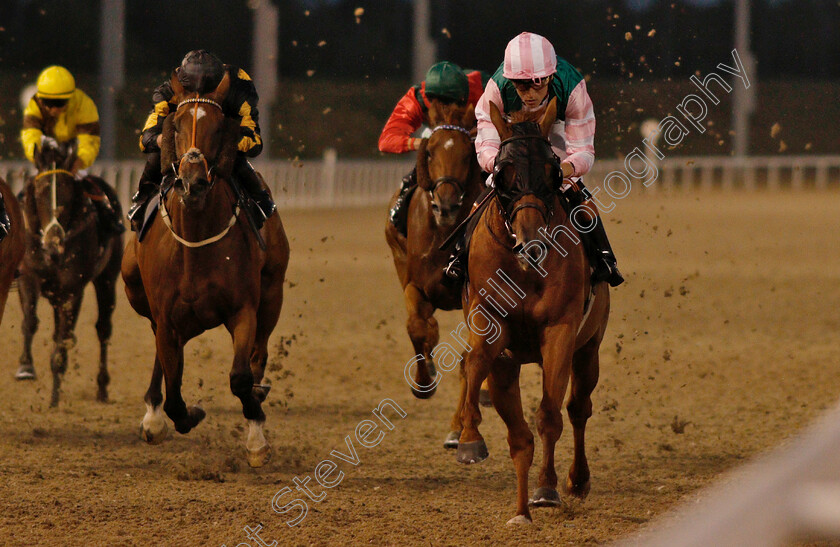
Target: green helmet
{"x":447,"y":81}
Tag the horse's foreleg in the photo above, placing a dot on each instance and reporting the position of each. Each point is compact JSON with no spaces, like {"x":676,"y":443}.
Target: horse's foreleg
{"x":28,"y":290}
{"x":170,"y":352}
{"x":585,"y":369}
{"x":556,"y":347}
{"x":455,"y":424}
{"x":243,"y":330}
{"x":471,"y":446}
{"x":65,"y":313}
{"x":504,"y":392}
{"x":271,"y":301}
{"x":105,"y":286}
{"x":423,"y":331}
{"x":153,"y":428}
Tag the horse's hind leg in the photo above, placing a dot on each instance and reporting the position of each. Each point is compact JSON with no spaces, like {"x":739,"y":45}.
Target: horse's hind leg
{"x":585,"y":371}
{"x":170,"y":353}
{"x":243,"y":330}
{"x":557,"y":348}
{"x":105,"y":286}
{"x":65,"y":313}
{"x":423,"y":331}
{"x":504,"y":392}
{"x":28,"y":290}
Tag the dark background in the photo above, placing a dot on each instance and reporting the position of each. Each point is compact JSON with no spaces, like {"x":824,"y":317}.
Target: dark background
{"x":339,"y":77}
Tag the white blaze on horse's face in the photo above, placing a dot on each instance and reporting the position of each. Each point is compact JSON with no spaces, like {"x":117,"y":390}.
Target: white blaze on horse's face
{"x":199,"y":113}
{"x":448,"y":144}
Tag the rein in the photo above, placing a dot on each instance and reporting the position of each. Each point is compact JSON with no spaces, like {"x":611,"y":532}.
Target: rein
{"x":193,"y":244}
{"x":53,"y":200}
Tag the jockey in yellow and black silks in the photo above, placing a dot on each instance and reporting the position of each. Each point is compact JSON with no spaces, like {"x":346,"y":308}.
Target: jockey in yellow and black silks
{"x":58,"y":113}
{"x":201,"y":72}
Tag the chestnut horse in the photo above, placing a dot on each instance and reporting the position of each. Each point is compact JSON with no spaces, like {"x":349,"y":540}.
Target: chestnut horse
{"x":530,"y":300}
{"x":200,"y":266}
{"x":65,"y":250}
{"x":449,"y":179}
{"x":12,"y":246}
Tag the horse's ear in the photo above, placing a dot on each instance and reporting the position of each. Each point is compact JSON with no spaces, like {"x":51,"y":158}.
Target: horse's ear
{"x":549,"y":117}
{"x":468,"y":120}
{"x":499,"y":122}
{"x":222,"y":89}
{"x":69,"y":155}
{"x":176,"y":86}
{"x":435,"y":113}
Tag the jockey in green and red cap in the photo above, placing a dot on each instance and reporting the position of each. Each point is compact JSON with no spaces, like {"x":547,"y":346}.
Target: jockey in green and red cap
{"x":444,"y":82}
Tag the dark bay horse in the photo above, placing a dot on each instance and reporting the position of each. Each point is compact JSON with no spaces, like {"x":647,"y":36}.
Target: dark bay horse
{"x":530,"y":300}
{"x":12,"y":246}
{"x":200,"y":266}
{"x":449,"y":179}
{"x":65,"y":250}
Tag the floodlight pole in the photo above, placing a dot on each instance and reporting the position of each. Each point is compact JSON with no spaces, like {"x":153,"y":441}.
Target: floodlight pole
{"x":424,"y":47}
{"x":111,"y":72}
{"x":265,"y":54}
{"x":743,"y":102}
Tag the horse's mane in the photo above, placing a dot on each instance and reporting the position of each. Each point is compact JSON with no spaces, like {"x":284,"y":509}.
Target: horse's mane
{"x":522,"y":116}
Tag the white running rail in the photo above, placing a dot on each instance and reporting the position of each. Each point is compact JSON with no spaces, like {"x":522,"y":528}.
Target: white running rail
{"x":343,"y":183}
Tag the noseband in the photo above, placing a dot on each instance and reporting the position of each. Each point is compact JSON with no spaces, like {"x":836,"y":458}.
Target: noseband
{"x":446,"y":179}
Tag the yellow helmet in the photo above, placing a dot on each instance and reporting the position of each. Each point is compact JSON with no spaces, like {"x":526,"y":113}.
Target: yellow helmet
{"x":55,"y":82}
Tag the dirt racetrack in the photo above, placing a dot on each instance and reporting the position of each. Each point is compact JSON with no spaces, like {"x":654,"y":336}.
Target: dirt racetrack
{"x":722,"y":343}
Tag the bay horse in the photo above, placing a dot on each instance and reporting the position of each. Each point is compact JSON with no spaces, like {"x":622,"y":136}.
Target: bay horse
{"x":12,"y":246}
{"x":66,"y":250}
{"x":547,"y":311}
{"x":449,"y":179}
{"x":201,"y":266}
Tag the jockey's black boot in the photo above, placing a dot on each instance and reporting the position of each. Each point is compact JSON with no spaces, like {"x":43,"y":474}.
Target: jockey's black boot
{"x":602,"y":256}
{"x":595,"y":242}
{"x":109,"y":219}
{"x":251,"y":183}
{"x":454,"y":270}
{"x":399,"y":212}
{"x":148,"y":185}
{"x":5,"y":223}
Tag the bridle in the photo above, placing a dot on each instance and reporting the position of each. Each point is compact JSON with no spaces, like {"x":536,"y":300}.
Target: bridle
{"x":547,"y":209}
{"x":194,"y":155}
{"x":446,"y":179}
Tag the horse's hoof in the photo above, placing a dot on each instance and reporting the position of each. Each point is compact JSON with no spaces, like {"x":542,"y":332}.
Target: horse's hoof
{"x":520,"y":519}
{"x":102,"y":396}
{"x":25,"y":372}
{"x":156,"y":437}
{"x":576,"y":490}
{"x":546,"y":497}
{"x":484,"y":398}
{"x":452,"y":439}
{"x":260,"y":391}
{"x":424,"y":394}
{"x":196,"y":415}
{"x":260,"y":456}
{"x":473,"y":452}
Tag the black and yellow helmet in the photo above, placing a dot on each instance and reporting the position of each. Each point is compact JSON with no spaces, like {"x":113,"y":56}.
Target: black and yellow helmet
{"x":200,"y":71}
{"x":447,"y":81}
{"x":55,"y":82}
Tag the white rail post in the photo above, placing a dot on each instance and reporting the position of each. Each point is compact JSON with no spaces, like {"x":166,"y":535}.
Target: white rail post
{"x":328,"y":176}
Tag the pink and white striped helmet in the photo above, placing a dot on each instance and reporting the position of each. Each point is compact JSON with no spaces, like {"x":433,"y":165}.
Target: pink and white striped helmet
{"x":529,"y":56}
